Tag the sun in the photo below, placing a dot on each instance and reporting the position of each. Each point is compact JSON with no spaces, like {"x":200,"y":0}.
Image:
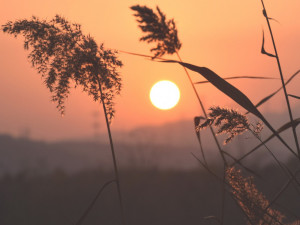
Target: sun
{"x":164,"y":95}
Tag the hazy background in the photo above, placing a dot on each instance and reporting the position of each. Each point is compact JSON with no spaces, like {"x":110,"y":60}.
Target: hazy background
{"x":225,"y":36}
{"x":51,"y":167}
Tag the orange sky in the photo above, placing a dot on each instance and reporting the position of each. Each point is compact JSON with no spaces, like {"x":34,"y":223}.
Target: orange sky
{"x":222,"y":35}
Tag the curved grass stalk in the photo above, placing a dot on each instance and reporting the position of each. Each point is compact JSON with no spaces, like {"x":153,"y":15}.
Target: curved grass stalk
{"x":215,"y":139}
{"x":113,"y":156}
{"x":203,"y":110}
{"x":281,"y":129}
{"x":282,"y":79}
{"x":86,"y":212}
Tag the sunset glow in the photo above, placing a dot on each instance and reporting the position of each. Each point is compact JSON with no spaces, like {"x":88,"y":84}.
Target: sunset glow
{"x":164,"y":95}
{"x":126,"y":112}
{"x":229,"y":43}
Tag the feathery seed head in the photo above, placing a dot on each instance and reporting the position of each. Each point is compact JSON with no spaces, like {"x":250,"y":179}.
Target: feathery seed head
{"x":252,"y":202}
{"x":158,"y":30}
{"x":228,"y":122}
{"x":62,"y":54}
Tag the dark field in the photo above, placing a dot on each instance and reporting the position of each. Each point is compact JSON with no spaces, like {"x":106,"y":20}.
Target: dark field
{"x":150,"y":196}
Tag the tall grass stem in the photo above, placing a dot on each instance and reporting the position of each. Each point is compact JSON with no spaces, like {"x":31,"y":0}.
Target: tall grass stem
{"x":113,"y":156}
{"x":282,"y":80}
{"x":203,"y":110}
{"x":215,"y":138}
{"x":89,"y":208}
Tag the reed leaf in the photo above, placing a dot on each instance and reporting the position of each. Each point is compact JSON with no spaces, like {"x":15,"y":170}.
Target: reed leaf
{"x":261,"y":102}
{"x":282,"y":79}
{"x":232,"y":92}
{"x":263,"y":51}
{"x":280,"y":130}
{"x":221,"y":84}
{"x":197,"y":121}
{"x":294,"y":96}
{"x":141,"y":55}
{"x":239,"y":77}
{"x":267,"y":98}
{"x":269,"y":18}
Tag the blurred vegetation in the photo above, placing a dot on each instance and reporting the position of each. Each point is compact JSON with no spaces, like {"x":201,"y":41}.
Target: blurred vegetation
{"x":150,"y":196}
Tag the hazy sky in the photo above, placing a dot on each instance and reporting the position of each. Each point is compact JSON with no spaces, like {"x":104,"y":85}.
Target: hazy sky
{"x":222,"y":35}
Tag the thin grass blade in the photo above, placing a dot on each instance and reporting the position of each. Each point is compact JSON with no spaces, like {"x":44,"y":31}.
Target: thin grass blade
{"x":232,"y":92}
{"x":246,"y":168}
{"x":283,"y":189}
{"x":239,"y":77}
{"x":261,"y":102}
{"x":265,"y":15}
{"x":282,"y":80}
{"x":267,"y":98}
{"x":197,"y":121}
{"x":280,"y":130}
{"x":294,"y":96}
{"x":228,"y":89}
{"x":217,"y":81}
{"x":212,"y":218}
{"x":209,"y":170}
{"x":263,"y":51}
{"x":86,"y":212}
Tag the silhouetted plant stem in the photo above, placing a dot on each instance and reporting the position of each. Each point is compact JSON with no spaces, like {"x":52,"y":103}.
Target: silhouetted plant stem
{"x":113,"y":157}
{"x":201,"y":149}
{"x":62,"y":54}
{"x":203,"y":110}
{"x":289,"y":176}
{"x":223,"y":195}
{"x":282,"y":80}
{"x":226,"y":184}
{"x":239,"y":163}
{"x":215,"y":138}
{"x":281,"y":191}
{"x":89,"y":208}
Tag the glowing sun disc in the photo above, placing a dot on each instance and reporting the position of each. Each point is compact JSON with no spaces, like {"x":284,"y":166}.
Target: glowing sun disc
{"x":164,"y":95}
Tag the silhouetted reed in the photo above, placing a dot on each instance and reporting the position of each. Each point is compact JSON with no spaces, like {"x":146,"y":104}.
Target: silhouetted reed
{"x":157,"y":30}
{"x":62,"y":54}
{"x":228,"y":121}
{"x":281,"y":75}
{"x":253,"y":203}
{"x":164,"y":32}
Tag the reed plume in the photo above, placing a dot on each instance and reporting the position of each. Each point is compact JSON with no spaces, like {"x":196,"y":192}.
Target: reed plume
{"x":229,"y":122}
{"x":62,"y":54}
{"x":157,"y":29}
{"x":253,"y":203}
